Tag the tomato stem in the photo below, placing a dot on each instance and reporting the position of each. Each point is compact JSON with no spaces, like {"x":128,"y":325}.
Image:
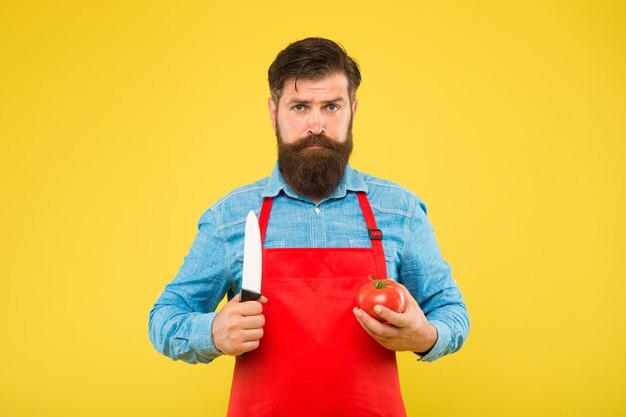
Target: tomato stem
{"x":378,"y":283}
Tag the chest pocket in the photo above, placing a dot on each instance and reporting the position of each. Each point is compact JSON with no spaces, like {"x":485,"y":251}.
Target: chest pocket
{"x":267,"y":245}
{"x":238,"y":265}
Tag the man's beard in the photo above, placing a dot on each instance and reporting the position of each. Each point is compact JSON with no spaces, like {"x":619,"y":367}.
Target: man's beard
{"x":314,"y":173}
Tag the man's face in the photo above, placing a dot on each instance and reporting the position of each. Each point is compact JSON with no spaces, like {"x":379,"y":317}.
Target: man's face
{"x":313,"y":126}
{"x":318,"y":106}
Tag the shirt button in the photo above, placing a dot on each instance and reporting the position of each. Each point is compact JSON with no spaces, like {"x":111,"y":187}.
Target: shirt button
{"x":317,"y":210}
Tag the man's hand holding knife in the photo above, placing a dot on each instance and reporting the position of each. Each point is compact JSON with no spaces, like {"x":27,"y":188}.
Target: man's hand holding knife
{"x":238,"y":327}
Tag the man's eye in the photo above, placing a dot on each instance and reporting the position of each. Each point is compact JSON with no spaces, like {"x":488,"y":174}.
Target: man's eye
{"x":332,"y":107}
{"x":298,"y":107}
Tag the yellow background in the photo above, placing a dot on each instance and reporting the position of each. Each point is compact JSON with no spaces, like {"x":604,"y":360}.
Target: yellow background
{"x":121,"y":122}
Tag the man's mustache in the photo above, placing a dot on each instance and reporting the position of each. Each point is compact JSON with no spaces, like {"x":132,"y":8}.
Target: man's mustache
{"x":315,"y":140}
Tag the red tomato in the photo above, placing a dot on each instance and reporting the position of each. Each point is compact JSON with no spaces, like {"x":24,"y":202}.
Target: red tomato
{"x":384,"y":292}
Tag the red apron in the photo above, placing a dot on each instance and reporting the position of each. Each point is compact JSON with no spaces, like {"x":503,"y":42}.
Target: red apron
{"x":315,"y":359}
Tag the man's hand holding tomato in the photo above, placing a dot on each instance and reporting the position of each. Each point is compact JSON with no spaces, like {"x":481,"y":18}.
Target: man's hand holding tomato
{"x":406,"y":331}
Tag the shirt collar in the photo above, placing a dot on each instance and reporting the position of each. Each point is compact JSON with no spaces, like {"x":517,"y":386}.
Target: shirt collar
{"x":352,"y":180}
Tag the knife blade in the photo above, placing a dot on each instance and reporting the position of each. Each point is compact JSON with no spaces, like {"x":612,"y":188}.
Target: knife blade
{"x":252,"y":260}
{"x":252,"y":263}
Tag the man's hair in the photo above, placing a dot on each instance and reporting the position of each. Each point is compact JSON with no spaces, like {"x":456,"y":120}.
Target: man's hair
{"x":312,"y":59}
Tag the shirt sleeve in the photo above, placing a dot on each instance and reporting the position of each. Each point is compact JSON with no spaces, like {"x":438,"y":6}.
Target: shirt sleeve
{"x":428,"y":278}
{"x":181,"y":320}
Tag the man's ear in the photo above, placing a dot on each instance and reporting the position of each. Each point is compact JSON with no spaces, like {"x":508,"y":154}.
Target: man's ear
{"x":271,"y":106}
{"x":355,"y":104}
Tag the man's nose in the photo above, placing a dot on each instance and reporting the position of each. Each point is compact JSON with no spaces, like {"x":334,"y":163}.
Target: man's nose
{"x":317,"y":124}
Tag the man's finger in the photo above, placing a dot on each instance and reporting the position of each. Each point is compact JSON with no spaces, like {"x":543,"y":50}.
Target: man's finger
{"x":252,"y":335}
{"x":367,"y":330}
{"x":253,"y":322}
{"x":397,"y":319}
{"x":250,"y":308}
{"x":249,"y":346}
{"x":372,"y":326}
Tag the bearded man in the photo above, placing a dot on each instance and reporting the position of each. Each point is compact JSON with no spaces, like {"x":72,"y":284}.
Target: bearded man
{"x":325,"y":229}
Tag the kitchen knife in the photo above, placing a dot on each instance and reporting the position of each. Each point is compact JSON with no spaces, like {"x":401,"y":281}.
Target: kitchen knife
{"x":251,"y":281}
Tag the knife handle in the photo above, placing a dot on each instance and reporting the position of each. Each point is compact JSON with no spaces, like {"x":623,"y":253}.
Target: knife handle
{"x":247,"y":295}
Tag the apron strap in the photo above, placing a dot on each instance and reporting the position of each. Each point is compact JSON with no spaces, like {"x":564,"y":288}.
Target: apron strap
{"x":264,"y":217}
{"x":375,"y":234}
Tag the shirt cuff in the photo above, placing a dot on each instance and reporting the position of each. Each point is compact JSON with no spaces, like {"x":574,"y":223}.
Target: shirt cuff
{"x":201,"y":338}
{"x":444,"y":337}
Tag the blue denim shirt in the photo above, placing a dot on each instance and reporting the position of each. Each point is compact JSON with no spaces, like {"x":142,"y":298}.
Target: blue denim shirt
{"x":181,"y":320}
